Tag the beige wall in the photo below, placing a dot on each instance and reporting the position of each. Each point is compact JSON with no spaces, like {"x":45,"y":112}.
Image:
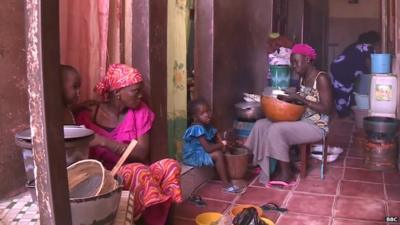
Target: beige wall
{"x":364,"y":9}
{"x":347,"y":21}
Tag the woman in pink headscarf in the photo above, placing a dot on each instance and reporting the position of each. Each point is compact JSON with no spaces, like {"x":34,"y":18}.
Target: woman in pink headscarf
{"x":268,"y":139}
{"x":123,"y":116}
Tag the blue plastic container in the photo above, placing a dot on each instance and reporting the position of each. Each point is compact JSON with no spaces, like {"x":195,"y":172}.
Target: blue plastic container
{"x":381,"y":63}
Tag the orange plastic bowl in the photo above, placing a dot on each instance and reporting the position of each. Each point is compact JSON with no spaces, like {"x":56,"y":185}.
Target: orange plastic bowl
{"x":267,"y":221}
{"x":239,"y":208}
{"x":208,"y":218}
{"x":277,"y":110}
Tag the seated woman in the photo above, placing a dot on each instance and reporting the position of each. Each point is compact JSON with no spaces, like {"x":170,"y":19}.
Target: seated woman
{"x":268,"y":139}
{"x":119,"y":119}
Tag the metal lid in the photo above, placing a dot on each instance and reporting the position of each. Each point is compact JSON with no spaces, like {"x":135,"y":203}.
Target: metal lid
{"x":70,"y":132}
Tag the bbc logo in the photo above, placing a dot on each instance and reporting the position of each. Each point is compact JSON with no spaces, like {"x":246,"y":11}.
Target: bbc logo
{"x":392,"y":219}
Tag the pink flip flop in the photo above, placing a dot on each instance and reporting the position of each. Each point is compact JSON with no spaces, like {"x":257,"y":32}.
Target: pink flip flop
{"x":276,"y":183}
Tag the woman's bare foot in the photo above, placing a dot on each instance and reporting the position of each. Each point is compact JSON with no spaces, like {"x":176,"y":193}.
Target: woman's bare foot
{"x":284,"y":173}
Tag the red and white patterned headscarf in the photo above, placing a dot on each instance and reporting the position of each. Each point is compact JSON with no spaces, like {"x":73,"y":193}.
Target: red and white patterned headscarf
{"x":118,"y":76}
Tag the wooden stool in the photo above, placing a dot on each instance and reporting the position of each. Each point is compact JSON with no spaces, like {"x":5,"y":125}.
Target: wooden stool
{"x":304,"y":153}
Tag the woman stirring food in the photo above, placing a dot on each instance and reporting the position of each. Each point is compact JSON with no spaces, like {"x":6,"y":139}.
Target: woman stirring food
{"x":119,"y":119}
{"x":273,"y":139}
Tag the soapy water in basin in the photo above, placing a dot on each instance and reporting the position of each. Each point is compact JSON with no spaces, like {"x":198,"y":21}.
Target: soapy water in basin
{"x":86,"y":188}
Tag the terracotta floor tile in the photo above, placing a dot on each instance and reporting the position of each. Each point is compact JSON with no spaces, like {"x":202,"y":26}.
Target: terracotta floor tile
{"x":353,"y":222}
{"x":362,"y":209}
{"x":363,"y":175}
{"x":335,"y":173}
{"x":311,"y":204}
{"x":355,"y":151}
{"x":189,"y":211}
{"x":341,"y":140}
{"x":360,"y":189}
{"x":257,"y":183}
{"x":316,"y":185}
{"x":214,"y":190}
{"x":260,"y":196}
{"x":338,"y":134}
{"x":394,"y":208}
{"x":391,"y":177}
{"x":182,"y":221}
{"x":340,"y":127}
{"x":393,"y":192}
{"x":339,"y":162}
{"x":296,"y":219}
{"x":339,"y":143}
{"x":357,"y":163}
{"x":272,"y":215}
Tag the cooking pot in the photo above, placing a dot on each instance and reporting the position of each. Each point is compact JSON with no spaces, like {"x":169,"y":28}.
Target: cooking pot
{"x":248,"y":111}
{"x":380,"y":127}
{"x":76,"y":144}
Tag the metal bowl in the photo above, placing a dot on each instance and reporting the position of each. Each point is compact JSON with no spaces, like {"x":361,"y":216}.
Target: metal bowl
{"x":248,"y":111}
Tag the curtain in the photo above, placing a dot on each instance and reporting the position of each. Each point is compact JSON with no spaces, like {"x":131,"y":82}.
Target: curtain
{"x":94,"y":34}
{"x":177,"y":42}
{"x":83,"y":40}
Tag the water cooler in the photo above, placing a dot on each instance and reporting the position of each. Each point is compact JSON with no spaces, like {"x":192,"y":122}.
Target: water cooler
{"x":383,"y":92}
{"x":381,"y":151}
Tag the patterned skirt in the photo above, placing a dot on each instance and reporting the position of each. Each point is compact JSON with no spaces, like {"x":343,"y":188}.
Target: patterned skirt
{"x":152,"y":184}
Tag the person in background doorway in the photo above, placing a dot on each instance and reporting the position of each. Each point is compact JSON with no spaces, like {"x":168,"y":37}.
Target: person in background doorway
{"x":348,"y":66}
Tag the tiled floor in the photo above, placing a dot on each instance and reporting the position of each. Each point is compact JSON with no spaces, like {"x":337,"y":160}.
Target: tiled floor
{"x":349,"y":195}
{"x":21,"y":210}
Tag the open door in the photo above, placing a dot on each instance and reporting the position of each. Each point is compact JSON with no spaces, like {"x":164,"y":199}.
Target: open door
{"x":315,"y":29}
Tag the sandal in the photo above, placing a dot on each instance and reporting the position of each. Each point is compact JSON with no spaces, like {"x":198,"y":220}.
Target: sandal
{"x":281,"y":184}
{"x":197,"y":200}
{"x":273,"y":206}
{"x":233,"y":189}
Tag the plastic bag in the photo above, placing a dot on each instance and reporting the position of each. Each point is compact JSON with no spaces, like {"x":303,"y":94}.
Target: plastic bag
{"x":248,"y":216}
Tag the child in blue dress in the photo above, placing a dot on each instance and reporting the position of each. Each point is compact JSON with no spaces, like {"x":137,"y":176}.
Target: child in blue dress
{"x":202,"y":144}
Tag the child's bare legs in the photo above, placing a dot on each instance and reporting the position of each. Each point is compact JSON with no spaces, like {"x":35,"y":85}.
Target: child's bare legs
{"x":218,"y":158}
